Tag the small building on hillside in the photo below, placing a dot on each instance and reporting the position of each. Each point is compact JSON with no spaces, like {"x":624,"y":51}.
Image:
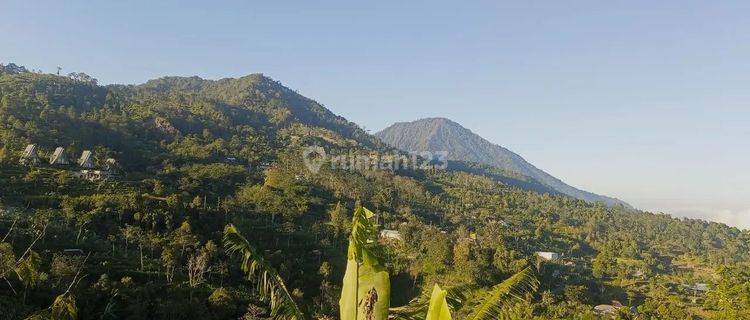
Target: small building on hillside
{"x":638,"y":273}
{"x":699,"y":288}
{"x":549,"y":256}
{"x":391,"y":235}
{"x":263,"y":166}
{"x":93,"y":175}
{"x":87,"y":160}
{"x":58,"y":157}
{"x":606,"y":310}
{"x":29,"y":156}
{"x":110,"y":164}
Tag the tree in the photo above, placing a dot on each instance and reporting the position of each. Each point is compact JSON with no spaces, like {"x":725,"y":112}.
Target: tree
{"x":169,"y":261}
{"x":28,"y":270}
{"x":281,"y":194}
{"x":63,"y":308}
{"x":268,"y":283}
{"x":196,"y":268}
{"x":7,"y":262}
{"x":4,"y":155}
{"x":222,"y":301}
{"x":731,"y":296}
{"x":339,"y":219}
{"x":604,"y":265}
{"x":134,"y":233}
{"x":497,"y":303}
{"x":508,"y":261}
{"x":184,"y":238}
{"x":12,"y":68}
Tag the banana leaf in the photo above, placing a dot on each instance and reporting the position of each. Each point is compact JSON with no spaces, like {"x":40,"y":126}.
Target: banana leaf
{"x":365,"y":293}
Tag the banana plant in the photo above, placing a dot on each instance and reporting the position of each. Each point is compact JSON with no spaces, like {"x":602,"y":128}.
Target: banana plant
{"x":417,"y":309}
{"x":438,"y":309}
{"x":268,"y":283}
{"x":365,"y":293}
{"x":494,"y":304}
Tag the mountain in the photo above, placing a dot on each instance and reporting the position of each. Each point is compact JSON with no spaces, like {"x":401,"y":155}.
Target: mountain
{"x":194,"y":155}
{"x":440,"y":134}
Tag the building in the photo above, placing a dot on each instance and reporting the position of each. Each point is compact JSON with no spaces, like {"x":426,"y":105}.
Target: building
{"x":93,"y":175}
{"x":606,"y":309}
{"x":699,"y":287}
{"x":391,"y":234}
{"x":30,"y":156}
{"x":549,"y":256}
{"x":110,"y":164}
{"x":87,"y":160}
{"x":263,"y":166}
{"x":58,"y":157}
{"x":638,"y":274}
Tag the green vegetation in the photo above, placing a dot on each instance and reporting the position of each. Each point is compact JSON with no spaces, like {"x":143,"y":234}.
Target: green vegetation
{"x":196,"y":156}
{"x":366,"y":285}
{"x":440,"y":134}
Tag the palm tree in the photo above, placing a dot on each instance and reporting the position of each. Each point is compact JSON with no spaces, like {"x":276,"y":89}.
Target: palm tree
{"x":268,"y":283}
{"x":494,"y":304}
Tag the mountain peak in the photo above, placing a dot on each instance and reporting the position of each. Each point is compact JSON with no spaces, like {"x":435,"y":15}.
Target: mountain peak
{"x":442,"y":134}
{"x":433,"y":121}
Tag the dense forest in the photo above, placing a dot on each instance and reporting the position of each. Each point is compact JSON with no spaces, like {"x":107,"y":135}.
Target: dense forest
{"x":210,"y":213}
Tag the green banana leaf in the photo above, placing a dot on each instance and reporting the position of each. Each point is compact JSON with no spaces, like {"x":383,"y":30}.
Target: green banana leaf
{"x":497,"y":302}
{"x":268,"y":283}
{"x":365,"y":293}
{"x":438,"y":309}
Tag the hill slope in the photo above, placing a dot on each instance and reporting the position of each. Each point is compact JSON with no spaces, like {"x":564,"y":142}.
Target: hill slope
{"x":192,"y":154}
{"x":440,"y":134}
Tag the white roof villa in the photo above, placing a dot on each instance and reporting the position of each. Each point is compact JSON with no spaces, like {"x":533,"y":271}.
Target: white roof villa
{"x":699,"y":287}
{"x":391,"y":234}
{"x":29,"y":155}
{"x":58,"y":157}
{"x":549,"y":256}
{"x":86,"y":160}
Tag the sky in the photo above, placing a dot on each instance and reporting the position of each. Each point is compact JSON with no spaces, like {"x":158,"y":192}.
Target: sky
{"x":646,"y":101}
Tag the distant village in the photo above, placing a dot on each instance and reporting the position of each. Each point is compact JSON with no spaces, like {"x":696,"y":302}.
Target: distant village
{"x":88,"y":169}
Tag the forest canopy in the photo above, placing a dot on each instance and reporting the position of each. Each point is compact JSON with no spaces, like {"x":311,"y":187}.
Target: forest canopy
{"x":147,"y":239}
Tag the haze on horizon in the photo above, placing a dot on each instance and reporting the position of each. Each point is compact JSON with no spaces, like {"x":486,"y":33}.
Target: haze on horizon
{"x":638,"y":100}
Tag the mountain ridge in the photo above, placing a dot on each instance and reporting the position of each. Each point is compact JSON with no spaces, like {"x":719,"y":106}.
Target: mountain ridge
{"x":195,"y":155}
{"x":443,"y":134}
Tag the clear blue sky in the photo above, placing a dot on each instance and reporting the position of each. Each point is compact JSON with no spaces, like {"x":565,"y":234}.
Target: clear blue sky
{"x":647,"y":101}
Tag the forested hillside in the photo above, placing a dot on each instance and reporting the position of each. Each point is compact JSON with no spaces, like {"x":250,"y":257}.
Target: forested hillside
{"x":440,"y":134}
{"x":150,"y":240}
